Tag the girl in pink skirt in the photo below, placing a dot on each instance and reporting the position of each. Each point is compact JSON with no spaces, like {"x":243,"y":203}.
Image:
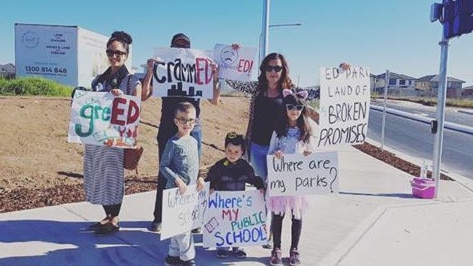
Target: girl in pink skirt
{"x":292,"y":136}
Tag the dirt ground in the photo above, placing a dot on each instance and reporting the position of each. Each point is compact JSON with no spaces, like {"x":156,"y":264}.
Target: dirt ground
{"x":38,"y":167}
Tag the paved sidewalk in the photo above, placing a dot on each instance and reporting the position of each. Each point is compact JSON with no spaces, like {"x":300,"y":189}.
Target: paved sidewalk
{"x":374,"y":220}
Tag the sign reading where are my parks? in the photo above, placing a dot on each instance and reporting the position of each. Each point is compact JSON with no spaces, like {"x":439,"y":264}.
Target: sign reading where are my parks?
{"x":344,"y":106}
{"x":296,"y":174}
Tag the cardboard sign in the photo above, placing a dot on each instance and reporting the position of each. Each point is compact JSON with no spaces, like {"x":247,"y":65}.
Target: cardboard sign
{"x":235,"y":218}
{"x":99,"y":118}
{"x":182,"y":213}
{"x":234,"y":64}
{"x":344,"y":106}
{"x":296,"y":174}
{"x":183,"y":73}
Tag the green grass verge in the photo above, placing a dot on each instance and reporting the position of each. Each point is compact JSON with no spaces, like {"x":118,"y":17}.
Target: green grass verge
{"x":31,"y":86}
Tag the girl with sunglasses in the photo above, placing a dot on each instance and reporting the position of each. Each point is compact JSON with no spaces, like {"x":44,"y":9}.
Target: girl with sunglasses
{"x":294,"y":135}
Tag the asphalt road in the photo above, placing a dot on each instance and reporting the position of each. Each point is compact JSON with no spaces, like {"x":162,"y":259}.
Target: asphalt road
{"x":415,"y":139}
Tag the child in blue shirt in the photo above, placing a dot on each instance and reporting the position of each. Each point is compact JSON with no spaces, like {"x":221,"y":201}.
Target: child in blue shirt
{"x":180,"y":166}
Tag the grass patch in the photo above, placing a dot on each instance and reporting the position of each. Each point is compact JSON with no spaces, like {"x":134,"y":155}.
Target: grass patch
{"x":431,"y":101}
{"x":31,"y":86}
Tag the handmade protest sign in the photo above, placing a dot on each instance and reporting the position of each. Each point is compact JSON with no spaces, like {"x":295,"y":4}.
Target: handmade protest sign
{"x":182,"y":73}
{"x":344,"y":106}
{"x":99,"y":118}
{"x":234,"y":64}
{"x":235,"y":218}
{"x":182,"y":213}
{"x":296,"y":174}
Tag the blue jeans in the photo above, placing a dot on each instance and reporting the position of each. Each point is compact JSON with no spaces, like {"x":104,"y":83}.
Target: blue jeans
{"x":258,"y":155}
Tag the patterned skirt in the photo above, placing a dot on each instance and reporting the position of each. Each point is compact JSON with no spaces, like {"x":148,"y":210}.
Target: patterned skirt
{"x":104,"y":175}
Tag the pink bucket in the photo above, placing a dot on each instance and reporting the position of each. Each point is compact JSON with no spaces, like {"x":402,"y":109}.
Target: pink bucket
{"x":423,"y":188}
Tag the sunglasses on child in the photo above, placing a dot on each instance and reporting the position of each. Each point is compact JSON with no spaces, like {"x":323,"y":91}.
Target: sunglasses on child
{"x":111,"y":53}
{"x":184,"y":121}
{"x":269,"y":68}
{"x":297,"y":107}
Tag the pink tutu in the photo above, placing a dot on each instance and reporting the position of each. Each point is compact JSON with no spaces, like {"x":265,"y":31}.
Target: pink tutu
{"x":297,"y":205}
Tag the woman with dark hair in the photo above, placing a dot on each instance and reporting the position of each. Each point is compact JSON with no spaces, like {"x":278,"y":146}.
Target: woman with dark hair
{"x":104,"y":178}
{"x":265,"y":107}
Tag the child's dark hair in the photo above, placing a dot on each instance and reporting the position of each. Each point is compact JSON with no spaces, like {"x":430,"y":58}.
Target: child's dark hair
{"x":183,"y":107}
{"x":235,"y":139}
{"x":302,"y":121}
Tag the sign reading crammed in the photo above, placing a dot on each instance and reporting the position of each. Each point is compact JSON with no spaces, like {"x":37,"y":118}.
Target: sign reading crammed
{"x":182,"y":213}
{"x":182,"y":73}
{"x":296,"y":174}
{"x":344,"y":106}
{"x":235,"y":218}
{"x":99,"y":118}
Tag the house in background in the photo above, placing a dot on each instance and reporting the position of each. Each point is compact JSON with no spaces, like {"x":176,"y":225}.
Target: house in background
{"x":399,"y":84}
{"x":7,"y":70}
{"x":429,"y":85}
{"x":467,"y":92}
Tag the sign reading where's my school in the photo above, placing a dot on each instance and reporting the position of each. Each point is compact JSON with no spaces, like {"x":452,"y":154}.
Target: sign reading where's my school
{"x":235,"y":218}
{"x":183,"y":73}
{"x":182,"y":213}
{"x":344,"y":106}
{"x":296,"y":174}
{"x":99,"y":118}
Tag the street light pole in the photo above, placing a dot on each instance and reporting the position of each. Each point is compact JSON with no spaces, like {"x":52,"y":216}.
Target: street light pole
{"x":285,"y":25}
{"x":263,"y":49}
{"x":441,"y":99}
{"x":264,"y":36}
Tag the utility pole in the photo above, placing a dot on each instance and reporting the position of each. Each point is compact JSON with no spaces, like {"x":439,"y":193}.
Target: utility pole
{"x":456,"y":18}
{"x":264,"y":42}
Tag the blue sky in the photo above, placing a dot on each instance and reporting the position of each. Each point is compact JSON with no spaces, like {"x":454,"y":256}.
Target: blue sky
{"x":395,"y":35}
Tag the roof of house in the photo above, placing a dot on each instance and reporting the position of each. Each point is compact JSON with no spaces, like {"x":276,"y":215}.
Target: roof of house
{"x":436,"y":78}
{"x":393,"y":75}
{"x":468,"y":87}
{"x":10,"y":68}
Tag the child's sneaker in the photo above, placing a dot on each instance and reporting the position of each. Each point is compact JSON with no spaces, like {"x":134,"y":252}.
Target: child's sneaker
{"x":276,"y":258}
{"x":294,"y":257}
{"x":239,"y":253}
{"x":222,"y":253}
{"x":188,"y":263}
{"x":173,"y":260}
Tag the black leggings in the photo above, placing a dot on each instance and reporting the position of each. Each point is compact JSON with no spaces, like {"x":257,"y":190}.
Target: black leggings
{"x":276,"y":227}
{"x":112,"y":210}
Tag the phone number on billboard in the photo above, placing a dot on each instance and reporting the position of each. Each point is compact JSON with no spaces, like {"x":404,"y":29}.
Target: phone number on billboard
{"x":37,"y":69}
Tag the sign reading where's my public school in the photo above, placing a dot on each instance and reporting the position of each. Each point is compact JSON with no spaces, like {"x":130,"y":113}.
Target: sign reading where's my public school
{"x":99,"y":118}
{"x":344,"y":106}
{"x":235,"y":218}
{"x":183,"y":73}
